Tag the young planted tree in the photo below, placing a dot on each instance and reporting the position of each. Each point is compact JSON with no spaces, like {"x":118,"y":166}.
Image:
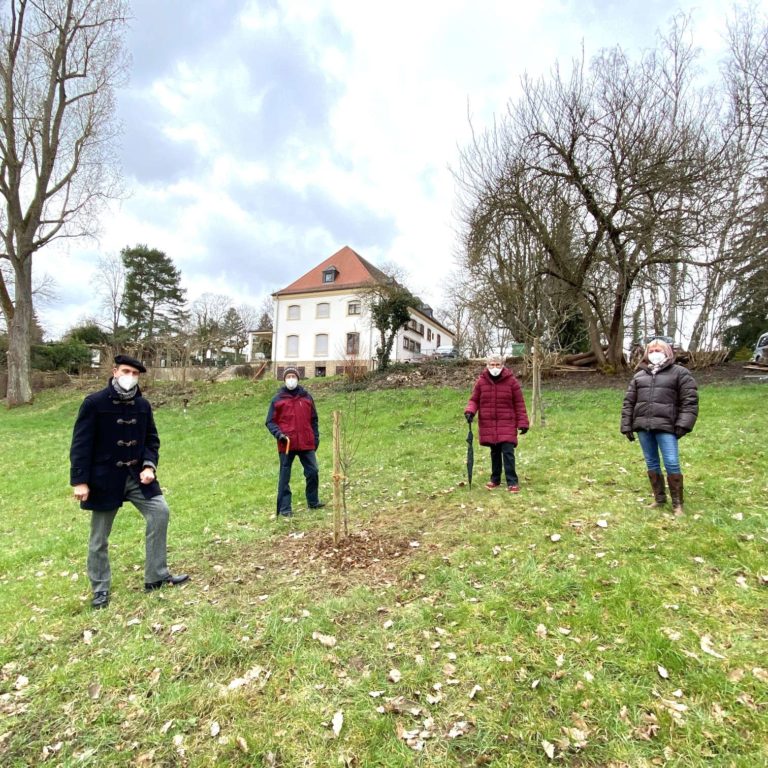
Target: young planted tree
{"x":60,"y":61}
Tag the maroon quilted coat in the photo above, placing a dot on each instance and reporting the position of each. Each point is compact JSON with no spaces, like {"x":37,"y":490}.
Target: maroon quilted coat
{"x":498,"y":401}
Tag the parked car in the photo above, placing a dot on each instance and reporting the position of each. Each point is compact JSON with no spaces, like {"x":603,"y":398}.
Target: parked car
{"x":445,"y":351}
{"x":761,"y":350}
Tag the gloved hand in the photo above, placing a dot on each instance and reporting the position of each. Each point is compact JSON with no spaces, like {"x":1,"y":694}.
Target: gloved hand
{"x":522,"y":430}
{"x":630,"y":436}
{"x":469,"y":417}
{"x":681,"y":432}
{"x":282,"y":437}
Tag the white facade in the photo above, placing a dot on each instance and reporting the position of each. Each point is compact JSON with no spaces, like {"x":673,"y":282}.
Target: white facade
{"x":324,"y":333}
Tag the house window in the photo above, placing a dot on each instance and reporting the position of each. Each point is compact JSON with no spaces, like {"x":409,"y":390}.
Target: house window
{"x":353,"y":308}
{"x":323,"y":310}
{"x":329,"y":275}
{"x":294,"y":312}
{"x":353,"y":343}
{"x":438,"y":341}
{"x":429,"y":334}
{"x":321,"y":344}
{"x":411,"y":345}
{"x":292,"y":346}
{"x":319,"y":371}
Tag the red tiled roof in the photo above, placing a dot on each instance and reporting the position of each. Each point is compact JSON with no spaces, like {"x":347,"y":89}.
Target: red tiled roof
{"x":353,"y":271}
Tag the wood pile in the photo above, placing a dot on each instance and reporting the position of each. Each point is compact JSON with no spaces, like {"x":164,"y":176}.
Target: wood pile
{"x":583,"y":362}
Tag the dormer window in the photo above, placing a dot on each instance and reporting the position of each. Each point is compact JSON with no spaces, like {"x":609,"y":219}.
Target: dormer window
{"x":329,"y":275}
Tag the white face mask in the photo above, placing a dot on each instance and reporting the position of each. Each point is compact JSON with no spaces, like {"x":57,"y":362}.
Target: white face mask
{"x":291,"y":382}
{"x":494,"y":370}
{"x":656,"y":358}
{"x":127,"y":382}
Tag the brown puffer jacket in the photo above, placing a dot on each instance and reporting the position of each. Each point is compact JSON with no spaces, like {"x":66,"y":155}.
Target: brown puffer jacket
{"x":667,"y":401}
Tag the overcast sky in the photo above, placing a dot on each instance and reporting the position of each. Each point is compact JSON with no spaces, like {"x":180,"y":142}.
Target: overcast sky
{"x":260,"y":136}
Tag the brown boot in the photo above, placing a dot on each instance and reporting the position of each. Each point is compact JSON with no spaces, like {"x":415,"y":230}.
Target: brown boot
{"x":659,"y":493}
{"x":676,"y":492}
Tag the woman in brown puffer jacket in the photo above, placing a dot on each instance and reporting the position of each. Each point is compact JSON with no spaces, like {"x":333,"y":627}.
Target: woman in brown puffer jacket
{"x":661,"y":405}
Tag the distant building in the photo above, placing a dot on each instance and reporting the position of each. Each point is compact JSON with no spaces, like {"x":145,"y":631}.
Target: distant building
{"x":323,"y":327}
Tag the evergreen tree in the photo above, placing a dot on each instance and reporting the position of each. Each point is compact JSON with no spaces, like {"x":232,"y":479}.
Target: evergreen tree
{"x":154,"y":298}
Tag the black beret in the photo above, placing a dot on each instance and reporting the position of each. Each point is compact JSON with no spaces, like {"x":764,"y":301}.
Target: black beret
{"x":132,"y":361}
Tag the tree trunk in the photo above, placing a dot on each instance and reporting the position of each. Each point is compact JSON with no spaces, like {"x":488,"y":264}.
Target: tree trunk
{"x":19,"y":338}
{"x":594,"y":335}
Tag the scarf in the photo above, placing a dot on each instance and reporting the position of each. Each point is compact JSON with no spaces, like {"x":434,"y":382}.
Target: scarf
{"x":121,"y":393}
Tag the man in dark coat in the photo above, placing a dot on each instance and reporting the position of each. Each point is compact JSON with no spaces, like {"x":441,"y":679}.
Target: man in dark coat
{"x":661,"y":405}
{"x":498,"y":399}
{"x":113,"y":458}
{"x":292,"y":421}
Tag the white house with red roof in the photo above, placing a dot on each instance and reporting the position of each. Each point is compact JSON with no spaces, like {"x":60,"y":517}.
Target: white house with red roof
{"x":323,"y":327}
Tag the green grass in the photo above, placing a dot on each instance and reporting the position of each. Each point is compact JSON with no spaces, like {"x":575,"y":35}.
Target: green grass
{"x":457,"y":598}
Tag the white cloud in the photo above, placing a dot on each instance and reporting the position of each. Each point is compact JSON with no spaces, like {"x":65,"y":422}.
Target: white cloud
{"x":257,"y":145}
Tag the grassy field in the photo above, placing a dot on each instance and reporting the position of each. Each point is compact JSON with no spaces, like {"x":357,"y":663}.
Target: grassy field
{"x":454,"y":627}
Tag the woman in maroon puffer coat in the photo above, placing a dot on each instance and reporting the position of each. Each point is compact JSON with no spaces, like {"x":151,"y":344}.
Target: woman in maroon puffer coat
{"x":498,"y":399}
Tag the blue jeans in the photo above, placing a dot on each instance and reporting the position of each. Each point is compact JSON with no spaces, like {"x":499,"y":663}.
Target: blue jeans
{"x":652,"y":442}
{"x":503,"y":452}
{"x":308,"y":461}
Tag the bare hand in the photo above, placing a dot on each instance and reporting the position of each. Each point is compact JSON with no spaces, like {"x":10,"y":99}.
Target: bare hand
{"x":147,"y":475}
{"x":81,"y":491}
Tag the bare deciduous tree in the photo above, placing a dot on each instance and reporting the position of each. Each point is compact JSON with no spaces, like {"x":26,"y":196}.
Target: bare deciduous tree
{"x":60,"y":61}
{"x":606,"y":169}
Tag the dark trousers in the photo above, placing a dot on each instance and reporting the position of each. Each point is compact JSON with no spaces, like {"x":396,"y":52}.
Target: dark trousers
{"x":505,"y":452}
{"x":308,"y":460}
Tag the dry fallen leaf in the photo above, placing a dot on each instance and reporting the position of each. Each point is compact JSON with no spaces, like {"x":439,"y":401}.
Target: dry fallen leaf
{"x":475,"y":691}
{"x":705,"y":643}
{"x":94,"y":691}
{"x":761,"y":674}
{"x":662,"y":672}
{"x":541,"y":631}
{"x":329,"y":641}
{"x":215,"y":729}
{"x":549,"y":749}
{"x":394,"y":675}
{"x":337,"y":723}
{"x":459,"y":728}
{"x":242,"y":744}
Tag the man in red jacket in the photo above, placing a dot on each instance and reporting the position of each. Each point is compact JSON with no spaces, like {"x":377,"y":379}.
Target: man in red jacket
{"x":498,"y":399}
{"x":292,"y":420}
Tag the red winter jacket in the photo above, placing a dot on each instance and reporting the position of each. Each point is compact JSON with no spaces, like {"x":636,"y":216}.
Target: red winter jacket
{"x":498,"y":401}
{"x":292,"y":413}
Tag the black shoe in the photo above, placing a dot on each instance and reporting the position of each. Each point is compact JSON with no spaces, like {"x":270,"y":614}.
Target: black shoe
{"x":285,"y":513}
{"x":171,"y":581}
{"x":100,"y":600}
{"x":319,"y":505}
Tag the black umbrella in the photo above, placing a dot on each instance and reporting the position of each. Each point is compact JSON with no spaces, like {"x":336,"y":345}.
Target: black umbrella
{"x":470,"y":454}
{"x":285,"y":468}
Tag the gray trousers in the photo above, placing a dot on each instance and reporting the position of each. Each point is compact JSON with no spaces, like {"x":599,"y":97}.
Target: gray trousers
{"x":156,"y":512}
